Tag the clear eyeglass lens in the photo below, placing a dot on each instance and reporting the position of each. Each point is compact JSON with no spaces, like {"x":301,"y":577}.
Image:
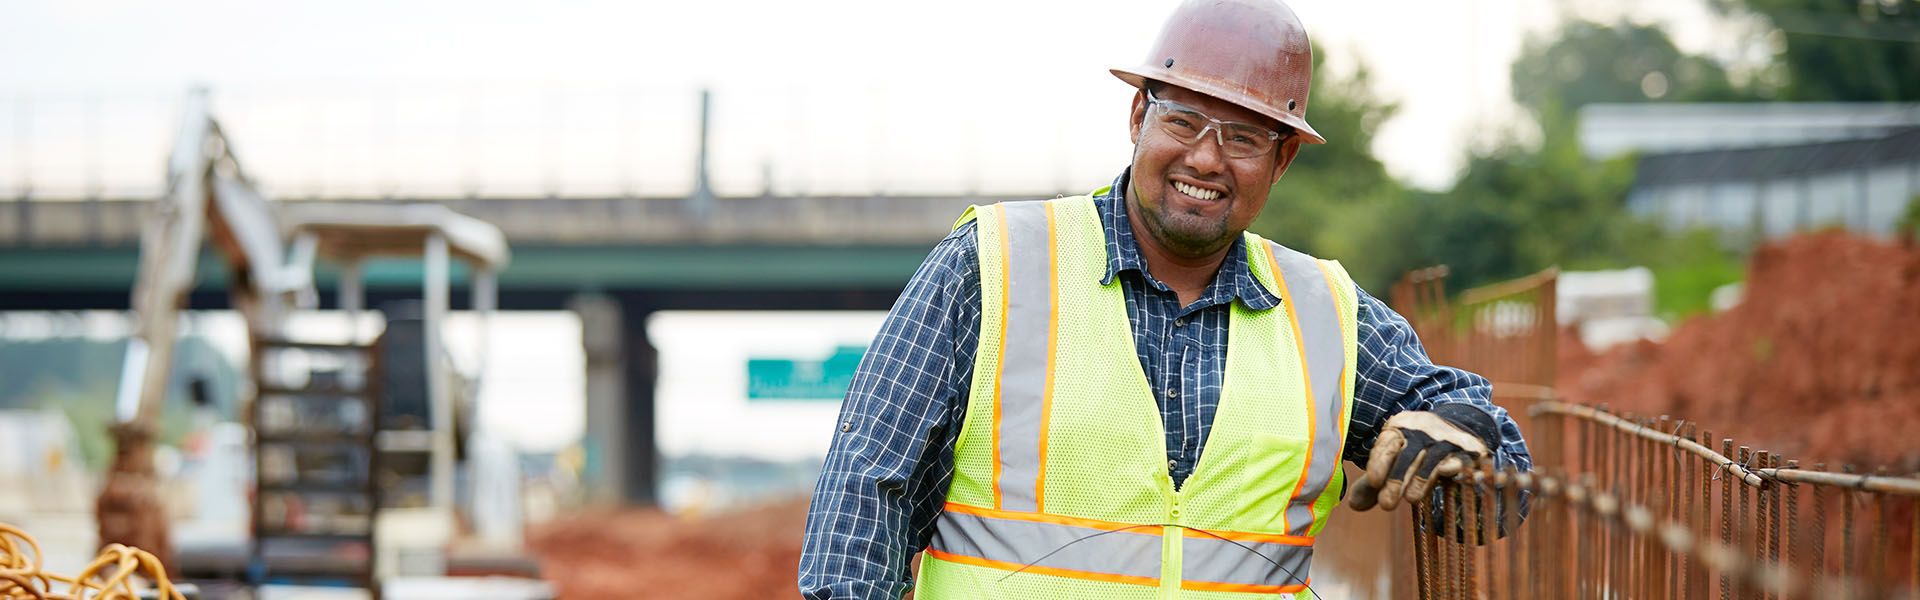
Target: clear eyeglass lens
{"x":1239,"y":140}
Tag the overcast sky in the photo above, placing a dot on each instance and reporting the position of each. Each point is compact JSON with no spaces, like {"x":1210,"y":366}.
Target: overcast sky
{"x":358,"y":96}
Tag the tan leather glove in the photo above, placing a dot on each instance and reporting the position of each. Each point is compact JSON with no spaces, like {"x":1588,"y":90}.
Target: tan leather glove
{"x":1414,"y":449}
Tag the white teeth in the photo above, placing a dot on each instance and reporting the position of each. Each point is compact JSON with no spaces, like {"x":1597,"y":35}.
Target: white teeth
{"x":1195,"y":192}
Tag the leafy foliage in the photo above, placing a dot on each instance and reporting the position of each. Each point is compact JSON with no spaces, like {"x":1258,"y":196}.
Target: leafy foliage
{"x":1517,"y":207}
{"x":1335,"y":195}
{"x":1588,"y":62}
{"x":1866,"y":51}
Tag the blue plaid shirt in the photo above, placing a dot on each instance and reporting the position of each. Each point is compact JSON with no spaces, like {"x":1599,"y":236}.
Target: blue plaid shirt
{"x":891,"y":461}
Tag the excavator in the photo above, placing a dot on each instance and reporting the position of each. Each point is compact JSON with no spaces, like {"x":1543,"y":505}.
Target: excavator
{"x":350,"y":435}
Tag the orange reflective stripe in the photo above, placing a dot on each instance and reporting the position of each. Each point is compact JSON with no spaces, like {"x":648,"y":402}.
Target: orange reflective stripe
{"x":1042,"y":570}
{"x":1306,"y":380}
{"x":1245,"y":588}
{"x":1046,"y":518}
{"x":1006,"y":276}
{"x":1242,"y":536}
{"x":1053,"y":340}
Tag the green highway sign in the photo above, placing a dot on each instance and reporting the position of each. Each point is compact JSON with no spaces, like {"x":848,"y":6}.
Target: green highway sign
{"x":795,"y":379}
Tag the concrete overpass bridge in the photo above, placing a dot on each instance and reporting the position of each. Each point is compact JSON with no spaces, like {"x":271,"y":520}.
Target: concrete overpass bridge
{"x":614,"y":261}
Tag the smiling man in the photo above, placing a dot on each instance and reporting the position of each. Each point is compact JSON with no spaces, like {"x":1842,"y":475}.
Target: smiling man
{"x":1126,"y":394}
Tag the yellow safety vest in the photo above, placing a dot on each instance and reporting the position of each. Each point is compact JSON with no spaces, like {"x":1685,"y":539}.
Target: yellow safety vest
{"x":1060,"y":485}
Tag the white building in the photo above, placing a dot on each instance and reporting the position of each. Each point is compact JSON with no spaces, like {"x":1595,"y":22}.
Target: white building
{"x":1764,"y":170}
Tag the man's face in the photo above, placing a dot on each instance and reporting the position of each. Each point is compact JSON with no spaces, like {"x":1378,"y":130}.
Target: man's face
{"x":1191,"y":198}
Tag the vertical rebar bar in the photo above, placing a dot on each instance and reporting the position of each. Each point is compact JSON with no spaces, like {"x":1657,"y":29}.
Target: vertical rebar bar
{"x":1650,"y":492}
{"x":1819,"y":535}
{"x":1726,"y":514}
{"x":1913,"y":553}
{"x":1669,"y":563}
{"x":1420,"y":555}
{"x":1516,"y":538}
{"x":1847,"y":569}
{"x":1881,"y":523}
{"x":1581,"y":551}
{"x":1632,"y":567}
{"x":1761,"y":512}
{"x":1479,"y":544}
{"x":1774,"y":506}
{"x":1703,"y":509}
{"x":1542,"y":537}
{"x":1462,"y":545}
{"x":1793,"y":535}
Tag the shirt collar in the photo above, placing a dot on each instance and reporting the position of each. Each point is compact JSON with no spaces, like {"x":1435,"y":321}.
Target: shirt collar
{"x":1234,"y":280}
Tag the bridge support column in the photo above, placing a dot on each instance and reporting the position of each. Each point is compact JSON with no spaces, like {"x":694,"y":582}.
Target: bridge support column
{"x":622,"y":368}
{"x":643,"y":375}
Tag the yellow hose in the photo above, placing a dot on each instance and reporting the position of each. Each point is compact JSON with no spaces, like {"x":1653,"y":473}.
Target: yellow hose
{"x":109,"y":577}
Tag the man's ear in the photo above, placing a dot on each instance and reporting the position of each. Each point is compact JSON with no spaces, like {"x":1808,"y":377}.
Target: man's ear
{"x":1138,"y":119}
{"x":1288,"y":150}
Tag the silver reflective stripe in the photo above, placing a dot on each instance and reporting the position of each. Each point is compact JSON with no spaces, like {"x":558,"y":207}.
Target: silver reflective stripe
{"x":1215,"y":560}
{"x":1318,"y":316}
{"x":1025,"y":360}
{"x":1133,"y":552}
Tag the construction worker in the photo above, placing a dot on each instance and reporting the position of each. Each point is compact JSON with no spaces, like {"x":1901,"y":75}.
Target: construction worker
{"x":1124,"y":394}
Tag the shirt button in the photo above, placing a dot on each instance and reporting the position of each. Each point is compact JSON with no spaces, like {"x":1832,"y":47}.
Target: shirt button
{"x":844,"y":427}
{"x":1173,"y":393}
{"x":1172,"y":465}
{"x":1179,"y":322}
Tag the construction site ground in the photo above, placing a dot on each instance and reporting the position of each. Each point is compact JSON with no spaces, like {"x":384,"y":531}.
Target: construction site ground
{"x":1820,"y":361}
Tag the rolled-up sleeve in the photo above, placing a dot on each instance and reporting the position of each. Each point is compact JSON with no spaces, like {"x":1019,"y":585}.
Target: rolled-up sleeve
{"x":887,"y":471}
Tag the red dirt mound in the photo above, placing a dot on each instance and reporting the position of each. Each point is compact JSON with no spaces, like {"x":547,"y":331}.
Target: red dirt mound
{"x":646,"y":553}
{"x":1820,"y":362}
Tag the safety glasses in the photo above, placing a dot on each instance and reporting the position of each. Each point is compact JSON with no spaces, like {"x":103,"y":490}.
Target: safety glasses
{"x":1184,"y":123}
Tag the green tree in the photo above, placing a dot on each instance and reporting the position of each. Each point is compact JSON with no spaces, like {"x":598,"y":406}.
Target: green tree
{"x":1834,"y":51}
{"x":1586,"y":62}
{"x":1334,"y":195}
{"x":1521,"y":206}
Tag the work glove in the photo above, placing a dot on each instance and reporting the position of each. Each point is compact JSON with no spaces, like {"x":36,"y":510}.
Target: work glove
{"x":1417,"y":447}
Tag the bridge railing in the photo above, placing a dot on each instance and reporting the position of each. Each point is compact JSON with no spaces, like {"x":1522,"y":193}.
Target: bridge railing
{"x":1621,"y":506}
{"x":821,"y":220}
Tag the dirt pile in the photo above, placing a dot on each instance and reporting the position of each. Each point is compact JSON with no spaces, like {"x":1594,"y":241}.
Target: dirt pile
{"x":1820,"y":362}
{"x":646,"y":553}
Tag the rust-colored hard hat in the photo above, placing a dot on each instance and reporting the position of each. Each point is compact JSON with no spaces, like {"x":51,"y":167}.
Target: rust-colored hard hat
{"x":1253,"y":53}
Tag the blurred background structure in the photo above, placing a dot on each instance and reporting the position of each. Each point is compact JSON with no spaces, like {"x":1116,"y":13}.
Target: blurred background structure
{"x":709,"y":205}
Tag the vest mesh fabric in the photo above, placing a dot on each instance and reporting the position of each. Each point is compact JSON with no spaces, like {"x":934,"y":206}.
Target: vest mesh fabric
{"x":1103,"y":452}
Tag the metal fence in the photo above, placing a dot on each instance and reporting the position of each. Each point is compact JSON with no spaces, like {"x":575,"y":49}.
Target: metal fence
{"x":1625,"y":506}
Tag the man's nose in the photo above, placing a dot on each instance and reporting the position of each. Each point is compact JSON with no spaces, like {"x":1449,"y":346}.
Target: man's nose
{"x":1205,"y":157}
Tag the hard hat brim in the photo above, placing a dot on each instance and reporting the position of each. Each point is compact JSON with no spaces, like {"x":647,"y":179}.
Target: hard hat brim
{"x":1138,"y":78}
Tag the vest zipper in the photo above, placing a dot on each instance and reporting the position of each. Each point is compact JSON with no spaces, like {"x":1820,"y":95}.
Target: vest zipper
{"x":1170,"y":562}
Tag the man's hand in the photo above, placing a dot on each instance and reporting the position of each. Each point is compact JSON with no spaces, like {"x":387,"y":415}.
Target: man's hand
{"x":1414,"y":449}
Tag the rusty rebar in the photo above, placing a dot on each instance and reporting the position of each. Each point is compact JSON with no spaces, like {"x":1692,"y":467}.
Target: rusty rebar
{"x":1480,"y":544}
{"x":1761,"y":511}
{"x":1457,"y":533}
{"x":1421,"y":557}
{"x":1847,"y":567}
{"x":1793,"y":519}
{"x":1819,"y":526}
{"x":1774,"y":506}
{"x":1726,"y":518}
{"x":1703,"y":523}
{"x":1510,"y":525}
{"x":1878,"y":581}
